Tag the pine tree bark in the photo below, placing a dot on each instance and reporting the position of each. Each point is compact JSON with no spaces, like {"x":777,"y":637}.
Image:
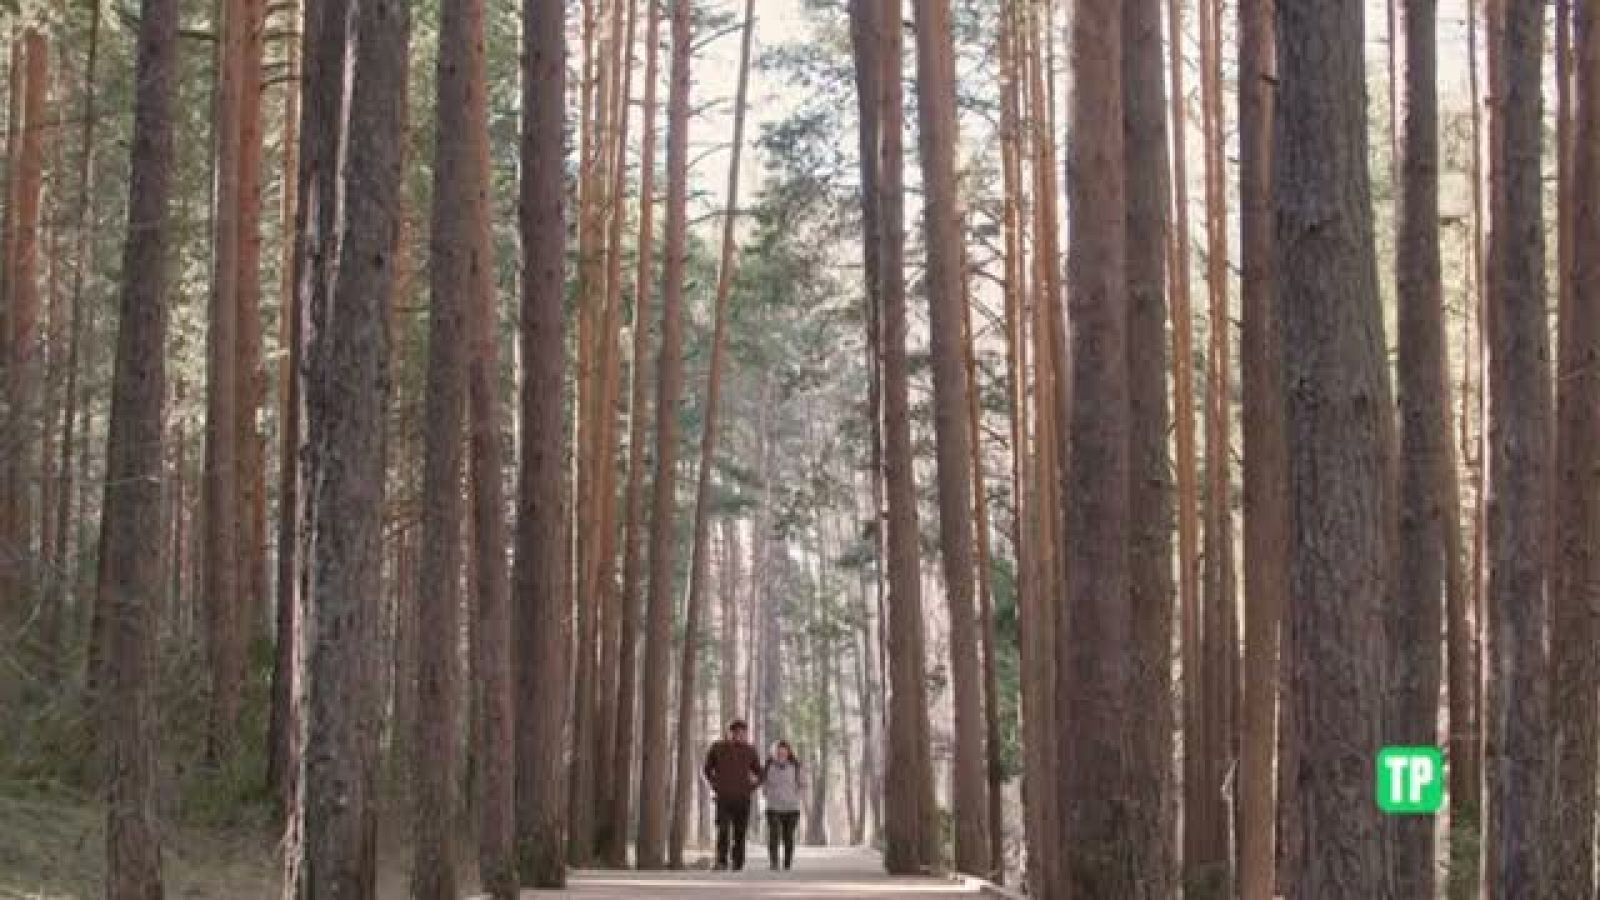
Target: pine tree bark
{"x":1093,"y":630}
{"x":347,"y":271}
{"x":1219,"y":668}
{"x":1465,"y":660}
{"x":456,"y":265}
{"x":1518,"y":467}
{"x":908,"y":843}
{"x":542,"y":618}
{"x":1416,"y":611}
{"x":1337,"y":406}
{"x":605,"y":731}
{"x":496,"y":756}
{"x":1575,"y":600}
{"x":1151,"y":589}
{"x":654,"y":782}
{"x":942,"y":224}
{"x":249,"y":376}
{"x":1266,"y":524}
{"x":1184,"y":443}
{"x":220,"y":591}
{"x":24,"y":358}
{"x":130,"y":538}
{"x":1050,"y":392}
{"x":64,"y":523}
{"x":614,"y":842}
{"x":282,"y":725}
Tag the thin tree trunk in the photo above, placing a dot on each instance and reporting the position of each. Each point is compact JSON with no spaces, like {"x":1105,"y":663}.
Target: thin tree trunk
{"x":994,"y":766}
{"x":614,"y":849}
{"x":938,"y":138}
{"x":1465,"y":604}
{"x":1219,"y":664}
{"x":1518,"y":470}
{"x":541,"y":618}
{"x":909,"y":839}
{"x":130,"y":541}
{"x":605,"y":732}
{"x":1337,"y":404}
{"x":24,"y":358}
{"x":1184,"y":445}
{"x":75,"y":333}
{"x":219,"y":492}
{"x":1050,"y":413}
{"x":1266,"y":521}
{"x":1416,"y":609}
{"x":250,"y":379}
{"x":590,"y":414}
{"x":728,"y":589}
{"x":282,"y":725}
{"x":1575,"y":614}
{"x":655,"y":783}
{"x":687,"y":749}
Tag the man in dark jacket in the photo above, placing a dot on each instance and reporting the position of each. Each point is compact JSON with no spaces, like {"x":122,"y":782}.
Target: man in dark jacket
{"x":733,"y":769}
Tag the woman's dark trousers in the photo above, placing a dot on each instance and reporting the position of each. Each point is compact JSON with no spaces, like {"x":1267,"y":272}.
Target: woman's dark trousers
{"x":781,"y":827}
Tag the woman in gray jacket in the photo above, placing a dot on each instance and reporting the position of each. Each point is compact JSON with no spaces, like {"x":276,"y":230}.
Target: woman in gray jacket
{"x":781,"y":785}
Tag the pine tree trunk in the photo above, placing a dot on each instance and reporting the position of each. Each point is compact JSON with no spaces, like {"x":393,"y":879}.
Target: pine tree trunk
{"x":220,"y":589}
{"x":654,"y":783}
{"x":1465,"y":612}
{"x":1575,"y":600}
{"x":1184,"y":445}
{"x":1151,"y":590}
{"x":64,"y":522}
{"x":605,"y":731}
{"x":130,"y":539}
{"x":1337,"y":404}
{"x":24,"y":357}
{"x":1219,"y":664}
{"x":332,"y":849}
{"x":250,"y":378}
{"x":541,"y":619}
{"x":1093,"y":631}
{"x":614,"y":849}
{"x":1416,"y":611}
{"x":456,"y":265}
{"x":688,"y":750}
{"x":994,"y":767}
{"x":1518,"y":467}
{"x":1266,"y":523}
{"x":909,"y":839}
{"x":1049,"y":410}
{"x":282,"y":725}
{"x":938,"y":138}
{"x":496,"y":755}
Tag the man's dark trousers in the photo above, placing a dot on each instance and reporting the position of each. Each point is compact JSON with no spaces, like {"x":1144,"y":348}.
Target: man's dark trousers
{"x":733,"y":820}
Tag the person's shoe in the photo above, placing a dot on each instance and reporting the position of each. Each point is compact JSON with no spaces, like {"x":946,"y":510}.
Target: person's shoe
{"x":774,"y":865}
{"x":788,"y":865}
{"x":720,"y":867}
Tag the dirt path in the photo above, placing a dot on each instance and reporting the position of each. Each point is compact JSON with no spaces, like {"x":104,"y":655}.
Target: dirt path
{"x":829,"y":873}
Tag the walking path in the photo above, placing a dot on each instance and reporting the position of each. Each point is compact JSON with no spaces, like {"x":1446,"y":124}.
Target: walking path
{"x":820,"y":873}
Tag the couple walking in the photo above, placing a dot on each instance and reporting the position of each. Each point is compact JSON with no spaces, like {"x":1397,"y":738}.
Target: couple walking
{"x":734,"y":770}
